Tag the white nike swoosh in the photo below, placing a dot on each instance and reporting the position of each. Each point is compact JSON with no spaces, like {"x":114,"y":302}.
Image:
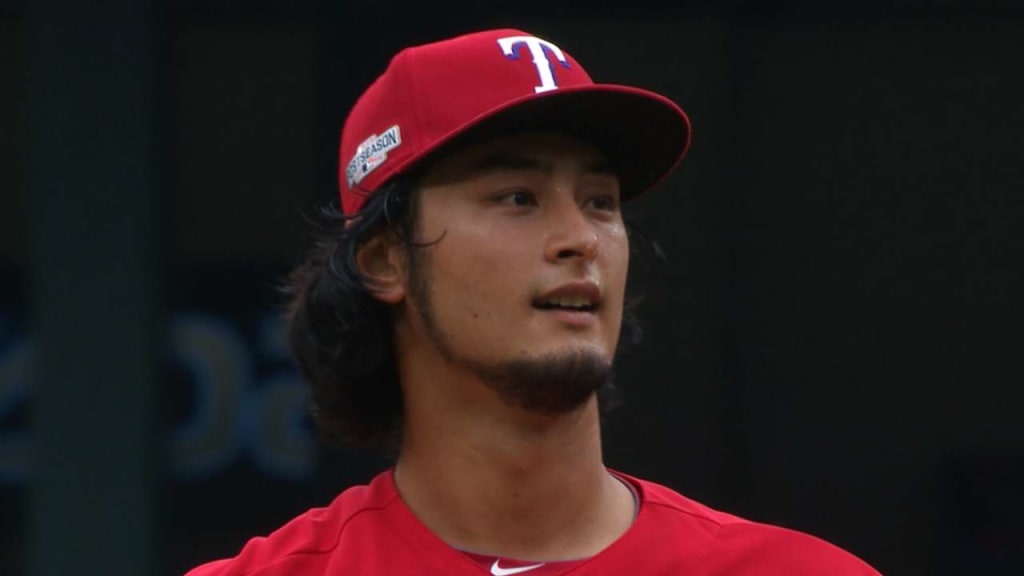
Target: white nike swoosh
{"x":499,"y":571}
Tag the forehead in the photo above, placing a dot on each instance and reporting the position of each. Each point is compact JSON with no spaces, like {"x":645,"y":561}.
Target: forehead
{"x":539,"y":152}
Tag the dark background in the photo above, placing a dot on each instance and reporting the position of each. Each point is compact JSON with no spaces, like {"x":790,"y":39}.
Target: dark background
{"x":834,"y":343}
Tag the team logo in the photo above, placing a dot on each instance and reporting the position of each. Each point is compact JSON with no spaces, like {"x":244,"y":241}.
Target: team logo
{"x":539,"y":49}
{"x":371,"y":153}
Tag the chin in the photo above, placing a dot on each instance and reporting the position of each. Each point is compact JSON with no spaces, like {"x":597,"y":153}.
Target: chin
{"x":556,"y":381}
{"x":571,"y":341}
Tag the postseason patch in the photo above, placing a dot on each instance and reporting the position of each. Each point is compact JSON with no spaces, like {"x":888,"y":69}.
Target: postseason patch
{"x":371,"y":153}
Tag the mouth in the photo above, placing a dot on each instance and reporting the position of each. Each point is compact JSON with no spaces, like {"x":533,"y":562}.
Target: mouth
{"x":574,"y":297}
{"x":569,"y":304}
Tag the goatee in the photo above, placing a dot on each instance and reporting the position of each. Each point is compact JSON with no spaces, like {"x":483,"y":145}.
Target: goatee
{"x":550,"y":385}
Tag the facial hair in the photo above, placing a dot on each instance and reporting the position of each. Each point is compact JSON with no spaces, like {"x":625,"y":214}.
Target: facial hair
{"x":550,"y":385}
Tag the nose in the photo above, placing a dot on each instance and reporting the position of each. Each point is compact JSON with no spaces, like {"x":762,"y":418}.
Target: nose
{"x":571,"y":235}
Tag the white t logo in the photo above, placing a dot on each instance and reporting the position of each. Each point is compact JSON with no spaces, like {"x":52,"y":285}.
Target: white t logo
{"x":540,"y":58}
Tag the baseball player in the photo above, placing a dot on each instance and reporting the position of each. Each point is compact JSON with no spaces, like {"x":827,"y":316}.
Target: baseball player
{"x":463,"y":311}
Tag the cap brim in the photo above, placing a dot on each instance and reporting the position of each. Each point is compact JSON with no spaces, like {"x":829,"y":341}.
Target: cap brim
{"x":643,"y":134}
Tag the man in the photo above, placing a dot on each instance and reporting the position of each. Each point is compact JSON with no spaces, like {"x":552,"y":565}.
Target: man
{"x":464,"y":313}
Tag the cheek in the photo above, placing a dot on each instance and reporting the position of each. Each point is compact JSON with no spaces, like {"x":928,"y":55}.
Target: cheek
{"x":615,"y":260}
{"x":479,"y":279}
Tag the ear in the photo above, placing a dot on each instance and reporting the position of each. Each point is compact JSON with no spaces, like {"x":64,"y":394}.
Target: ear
{"x":381,"y":260}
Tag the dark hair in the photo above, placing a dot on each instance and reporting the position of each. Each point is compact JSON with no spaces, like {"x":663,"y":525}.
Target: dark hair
{"x":342,"y":336}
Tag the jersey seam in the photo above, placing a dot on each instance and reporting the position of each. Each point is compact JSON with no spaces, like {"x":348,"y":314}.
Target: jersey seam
{"x":676,"y":508}
{"x":328,"y":550}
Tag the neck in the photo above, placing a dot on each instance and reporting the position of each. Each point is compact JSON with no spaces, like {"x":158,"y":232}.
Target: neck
{"x":504,"y":482}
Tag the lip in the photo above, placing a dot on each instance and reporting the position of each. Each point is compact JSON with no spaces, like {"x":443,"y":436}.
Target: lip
{"x":574,"y":318}
{"x":580,"y":288}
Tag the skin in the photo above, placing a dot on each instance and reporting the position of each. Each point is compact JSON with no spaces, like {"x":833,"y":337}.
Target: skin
{"x":510,"y":220}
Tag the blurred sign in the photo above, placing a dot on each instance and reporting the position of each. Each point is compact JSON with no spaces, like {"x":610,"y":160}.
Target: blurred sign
{"x":244,"y":401}
{"x":236,"y":396}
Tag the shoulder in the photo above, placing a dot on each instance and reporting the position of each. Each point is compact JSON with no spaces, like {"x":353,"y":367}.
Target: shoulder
{"x":733,"y":545}
{"x":305,"y":543}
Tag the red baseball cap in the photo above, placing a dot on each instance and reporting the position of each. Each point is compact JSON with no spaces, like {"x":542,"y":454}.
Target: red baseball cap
{"x":499,"y":82}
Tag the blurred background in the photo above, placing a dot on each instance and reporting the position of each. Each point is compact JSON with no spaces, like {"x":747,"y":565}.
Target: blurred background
{"x":833,"y":345}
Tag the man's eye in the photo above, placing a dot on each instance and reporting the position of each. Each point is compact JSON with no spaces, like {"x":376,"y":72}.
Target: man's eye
{"x":519,"y":198}
{"x":605,"y":203}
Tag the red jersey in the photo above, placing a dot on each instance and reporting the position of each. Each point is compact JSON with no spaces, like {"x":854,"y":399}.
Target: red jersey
{"x":368,"y":531}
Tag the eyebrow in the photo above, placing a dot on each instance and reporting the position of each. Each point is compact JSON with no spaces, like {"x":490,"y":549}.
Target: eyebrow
{"x":517,"y":163}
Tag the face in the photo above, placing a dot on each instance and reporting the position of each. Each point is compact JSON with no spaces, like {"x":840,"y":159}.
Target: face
{"x":523,"y":278}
